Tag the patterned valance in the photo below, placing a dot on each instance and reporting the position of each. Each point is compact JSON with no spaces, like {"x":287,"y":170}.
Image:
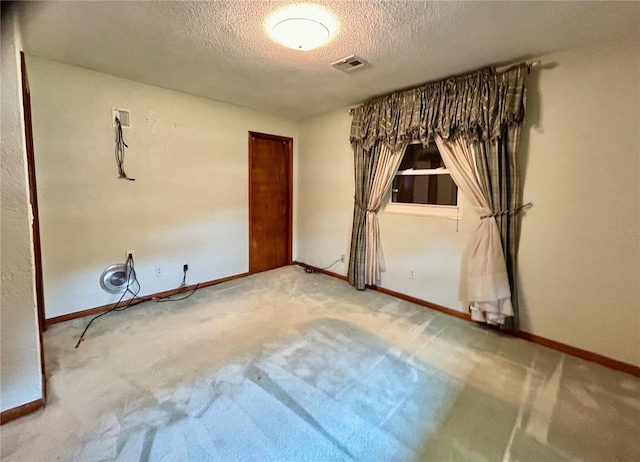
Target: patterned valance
{"x":477,"y":105}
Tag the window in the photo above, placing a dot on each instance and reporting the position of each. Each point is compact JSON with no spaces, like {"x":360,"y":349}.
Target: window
{"x":423,"y":186}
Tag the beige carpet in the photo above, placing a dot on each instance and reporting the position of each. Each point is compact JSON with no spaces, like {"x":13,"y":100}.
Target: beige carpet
{"x":289,"y":366}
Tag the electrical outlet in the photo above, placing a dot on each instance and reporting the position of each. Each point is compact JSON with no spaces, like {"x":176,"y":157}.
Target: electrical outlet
{"x":129,"y":252}
{"x":342,"y":258}
{"x":158,"y":272}
{"x":412,"y":273}
{"x":185,"y":267}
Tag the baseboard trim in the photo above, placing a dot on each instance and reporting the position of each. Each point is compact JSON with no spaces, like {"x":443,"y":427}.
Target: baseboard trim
{"x":559,"y":346}
{"x":166,"y":293}
{"x":418,"y":301}
{"x":393,"y":293}
{"x":580,"y":353}
{"x":20,"y":411}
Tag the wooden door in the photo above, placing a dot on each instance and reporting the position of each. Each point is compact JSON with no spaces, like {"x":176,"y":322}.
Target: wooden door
{"x":35,"y":224}
{"x":270,"y":201}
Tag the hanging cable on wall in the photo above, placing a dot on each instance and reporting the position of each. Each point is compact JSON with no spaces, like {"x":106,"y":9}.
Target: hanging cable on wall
{"x":317,"y":271}
{"x":120,"y":147}
{"x":132,"y":281}
{"x":127,"y":275}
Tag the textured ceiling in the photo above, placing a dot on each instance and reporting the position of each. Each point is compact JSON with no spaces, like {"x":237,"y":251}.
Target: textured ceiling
{"x":219,"y":50}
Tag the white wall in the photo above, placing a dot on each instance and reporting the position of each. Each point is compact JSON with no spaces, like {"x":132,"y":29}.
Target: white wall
{"x":325,"y":195}
{"x":20,"y":380}
{"x":579,"y":285}
{"x":189,"y":203}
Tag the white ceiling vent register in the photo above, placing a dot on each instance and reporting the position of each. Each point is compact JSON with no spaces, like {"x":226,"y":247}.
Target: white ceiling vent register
{"x":123,"y":116}
{"x":350,"y":63}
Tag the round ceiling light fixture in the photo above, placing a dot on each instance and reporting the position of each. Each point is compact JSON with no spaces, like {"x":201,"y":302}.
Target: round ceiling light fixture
{"x":301,"y":27}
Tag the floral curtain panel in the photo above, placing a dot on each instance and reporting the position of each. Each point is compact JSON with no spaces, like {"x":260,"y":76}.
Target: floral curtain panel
{"x":498,"y":170}
{"x":487,"y":280}
{"x":374,"y":172}
{"x":482,"y":112}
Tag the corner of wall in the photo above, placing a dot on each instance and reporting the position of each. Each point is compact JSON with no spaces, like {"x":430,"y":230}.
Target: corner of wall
{"x":20,"y":362}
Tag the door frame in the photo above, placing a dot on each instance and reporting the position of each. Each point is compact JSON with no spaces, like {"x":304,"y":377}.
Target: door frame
{"x":35,"y":223}
{"x":289,"y":142}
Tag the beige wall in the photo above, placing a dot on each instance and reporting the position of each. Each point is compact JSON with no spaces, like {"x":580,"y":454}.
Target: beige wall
{"x":20,"y":378}
{"x":325,"y":196}
{"x":579,"y":286}
{"x":189,"y":203}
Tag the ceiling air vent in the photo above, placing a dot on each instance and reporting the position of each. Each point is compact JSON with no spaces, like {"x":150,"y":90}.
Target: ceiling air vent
{"x":122,"y":115}
{"x":349,"y":64}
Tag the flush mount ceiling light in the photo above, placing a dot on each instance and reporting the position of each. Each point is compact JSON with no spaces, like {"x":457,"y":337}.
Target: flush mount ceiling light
{"x":301,"y":27}
{"x":300,"y":33}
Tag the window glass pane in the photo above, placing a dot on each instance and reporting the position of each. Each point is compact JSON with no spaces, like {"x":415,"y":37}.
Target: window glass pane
{"x":424,"y":189}
{"x":418,"y":157}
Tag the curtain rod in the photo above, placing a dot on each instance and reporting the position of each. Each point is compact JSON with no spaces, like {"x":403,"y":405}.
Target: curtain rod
{"x":531,"y":65}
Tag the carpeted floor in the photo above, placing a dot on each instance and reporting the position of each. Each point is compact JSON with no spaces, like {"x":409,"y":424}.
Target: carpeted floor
{"x":289,"y":366}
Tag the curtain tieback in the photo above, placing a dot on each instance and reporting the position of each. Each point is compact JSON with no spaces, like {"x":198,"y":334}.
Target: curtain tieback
{"x":362,"y":207}
{"x":509,"y":211}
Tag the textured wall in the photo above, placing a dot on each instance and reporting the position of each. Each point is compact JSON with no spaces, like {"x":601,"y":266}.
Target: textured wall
{"x":579,"y":282}
{"x":189,"y":203}
{"x":220,"y":49}
{"x":20,"y":356}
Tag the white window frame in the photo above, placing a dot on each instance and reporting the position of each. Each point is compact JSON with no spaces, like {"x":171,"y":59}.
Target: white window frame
{"x":453,"y":212}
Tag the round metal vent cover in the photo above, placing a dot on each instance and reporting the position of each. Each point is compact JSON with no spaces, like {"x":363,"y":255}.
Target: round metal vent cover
{"x":115,"y":278}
